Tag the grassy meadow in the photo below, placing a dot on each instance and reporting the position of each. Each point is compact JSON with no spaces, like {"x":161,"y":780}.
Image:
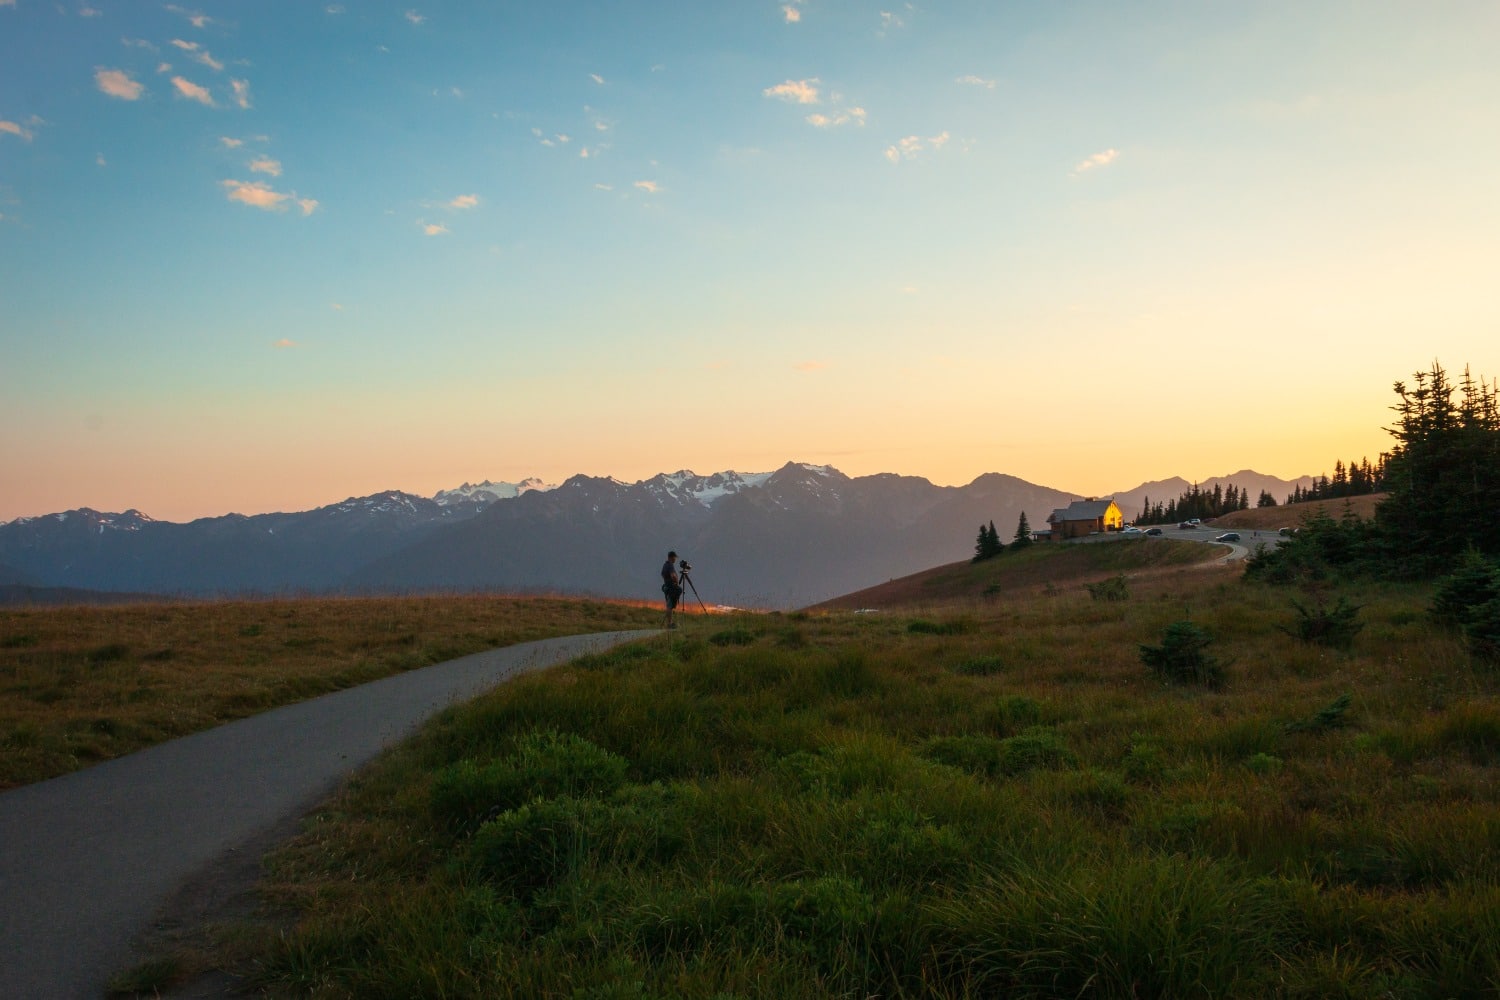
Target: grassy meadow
{"x":979,"y":798}
{"x":83,"y":684}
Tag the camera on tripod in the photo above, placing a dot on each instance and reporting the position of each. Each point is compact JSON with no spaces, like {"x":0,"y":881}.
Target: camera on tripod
{"x":682,"y":566}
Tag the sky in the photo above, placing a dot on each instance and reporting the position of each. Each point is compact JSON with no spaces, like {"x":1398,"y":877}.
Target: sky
{"x":265,"y":256}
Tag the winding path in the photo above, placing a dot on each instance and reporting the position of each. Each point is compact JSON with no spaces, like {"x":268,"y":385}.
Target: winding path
{"x":89,"y":858}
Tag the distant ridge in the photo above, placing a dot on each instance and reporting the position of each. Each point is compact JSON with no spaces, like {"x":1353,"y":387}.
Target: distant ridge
{"x":786,"y":538}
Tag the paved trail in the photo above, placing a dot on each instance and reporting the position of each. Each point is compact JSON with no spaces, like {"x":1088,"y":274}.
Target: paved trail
{"x":87,"y":859}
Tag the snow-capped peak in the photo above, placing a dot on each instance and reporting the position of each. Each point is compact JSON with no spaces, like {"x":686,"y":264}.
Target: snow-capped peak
{"x":489,"y":492}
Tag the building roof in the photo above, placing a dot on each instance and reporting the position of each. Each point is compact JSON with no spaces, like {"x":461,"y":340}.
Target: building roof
{"x":1082,"y":510}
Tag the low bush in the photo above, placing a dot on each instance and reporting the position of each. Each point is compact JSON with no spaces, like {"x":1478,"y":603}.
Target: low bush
{"x":736,"y":636}
{"x":924,"y":627}
{"x":1180,"y":659}
{"x":1334,"y":627}
{"x":1113,"y":589}
{"x":1472,"y":585}
{"x":544,"y":765}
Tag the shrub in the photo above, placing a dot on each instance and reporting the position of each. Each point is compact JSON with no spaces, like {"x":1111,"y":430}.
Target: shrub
{"x":1473,"y":584}
{"x":739,"y":635}
{"x":1331,"y":716}
{"x":544,"y":765}
{"x":537,"y":845}
{"x":978,"y":754}
{"x":1033,"y":749}
{"x":1181,"y":659}
{"x":1322,"y":626}
{"x":922,"y":626}
{"x":1113,"y":589}
{"x":980,"y":666}
{"x":1482,"y":630}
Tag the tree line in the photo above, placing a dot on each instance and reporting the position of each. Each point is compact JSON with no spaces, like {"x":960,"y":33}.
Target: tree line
{"x":1354,"y":480}
{"x":1442,"y":486}
{"x":1200,"y":503}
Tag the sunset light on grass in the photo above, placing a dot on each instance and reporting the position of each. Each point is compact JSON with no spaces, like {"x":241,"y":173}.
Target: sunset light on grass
{"x":265,"y":256}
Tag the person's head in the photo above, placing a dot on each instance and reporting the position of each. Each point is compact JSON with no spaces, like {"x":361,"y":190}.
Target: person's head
{"x":671,"y":557}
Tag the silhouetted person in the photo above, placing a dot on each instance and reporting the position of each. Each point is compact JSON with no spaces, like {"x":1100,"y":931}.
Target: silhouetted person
{"x":671,"y":587}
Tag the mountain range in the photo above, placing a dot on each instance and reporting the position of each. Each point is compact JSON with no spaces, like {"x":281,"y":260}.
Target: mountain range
{"x":787,"y":538}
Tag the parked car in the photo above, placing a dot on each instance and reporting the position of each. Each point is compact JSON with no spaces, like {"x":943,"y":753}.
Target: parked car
{"x":1285,"y":532}
{"x":1186,"y":526}
{"x":1194,"y":521}
{"x":1131,"y":530}
{"x":1228,"y":536}
{"x":1153,"y":531}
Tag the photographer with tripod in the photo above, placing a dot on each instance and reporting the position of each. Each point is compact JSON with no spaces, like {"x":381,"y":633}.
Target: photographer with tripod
{"x":672,"y":579}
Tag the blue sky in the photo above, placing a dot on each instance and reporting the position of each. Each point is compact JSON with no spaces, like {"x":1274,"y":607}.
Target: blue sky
{"x":266,"y":255}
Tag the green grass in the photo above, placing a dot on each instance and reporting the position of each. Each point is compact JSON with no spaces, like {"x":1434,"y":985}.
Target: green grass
{"x":1002,"y":803}
{"x":83,"y":684}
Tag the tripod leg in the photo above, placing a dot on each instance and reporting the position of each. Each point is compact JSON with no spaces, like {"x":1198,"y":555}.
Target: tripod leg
{"x":695,"y":593}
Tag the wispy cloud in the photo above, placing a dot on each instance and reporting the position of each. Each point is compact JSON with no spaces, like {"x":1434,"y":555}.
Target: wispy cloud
{"x":163,"y":67}
{"x":266,"y":165}
{"x":117,"y":83}
{"x":972,"y":80}
{"x":912,"y":145}
{"x":16,"y":129}
{"x":604,"y":187}
{"x":597,"y":78}
{"x":810,"y":366}
{"x":138,"y":43}
{"x":791,"y":11}
{"x":7,"y":3}
{"x":284,"y":343}
{"x":650,"y":187}
{"x":434,"y":228}
{"x":184,"y":45}
{"x":795,"y":91}
{"x":100,"y":160}
{"x":195,"y":18}
{"x":230,"y":143}
{"x":841,"y":116}
{"x":1096,"y":161}
{"x":207,"y":60}
{"x":259,"y":194}
{"x":87,"y":11}
{"x":241,"y":90}
{"x":414,"y":17}
{"x":334,"y":8}
{"x":464,"y":201}
{"x":193,"y":92}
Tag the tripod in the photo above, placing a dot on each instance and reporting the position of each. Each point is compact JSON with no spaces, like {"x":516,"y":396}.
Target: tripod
{"x":682,"y":574}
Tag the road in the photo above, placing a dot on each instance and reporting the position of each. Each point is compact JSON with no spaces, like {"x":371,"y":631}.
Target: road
{"x":87,"y":860}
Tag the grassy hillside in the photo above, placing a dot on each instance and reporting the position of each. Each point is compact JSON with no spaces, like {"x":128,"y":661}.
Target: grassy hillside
{"x":83,"y":684}
{"x":1003,"y":802}
{"x":1015,"y":573}
{"x":1291,"y":515}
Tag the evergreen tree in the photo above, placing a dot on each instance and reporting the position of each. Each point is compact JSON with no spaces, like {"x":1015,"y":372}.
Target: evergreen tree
{"x":1266,"y":499}
{"x":1443,"y":477}
{"x":1023,"y":533}
{"x":988,"y":545}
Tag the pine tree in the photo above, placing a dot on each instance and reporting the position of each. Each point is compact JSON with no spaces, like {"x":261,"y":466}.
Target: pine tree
{"x":1266,"y":499}
{"x":1023,"y":533}
{"x":982,"y":545}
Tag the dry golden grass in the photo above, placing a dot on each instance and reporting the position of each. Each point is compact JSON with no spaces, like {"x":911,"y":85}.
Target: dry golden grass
{"x":1012,"y":575}
{"x":1291,"y":515}
{"x":84,"y":684}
